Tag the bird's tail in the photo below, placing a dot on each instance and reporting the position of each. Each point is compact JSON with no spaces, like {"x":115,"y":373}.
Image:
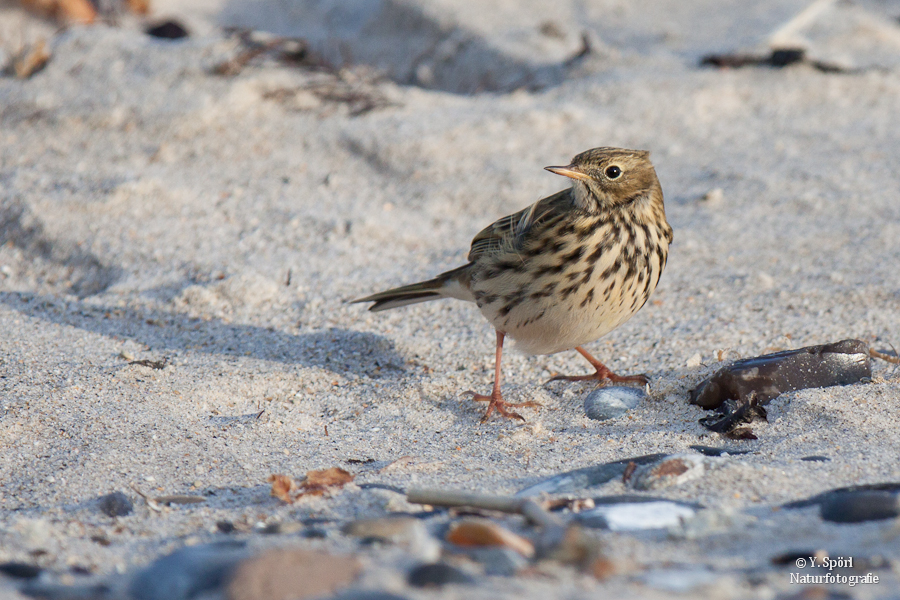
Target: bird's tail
{"x":445,"y":285}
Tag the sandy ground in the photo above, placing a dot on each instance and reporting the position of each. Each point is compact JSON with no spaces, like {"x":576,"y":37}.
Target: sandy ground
{"x":153,"y":210}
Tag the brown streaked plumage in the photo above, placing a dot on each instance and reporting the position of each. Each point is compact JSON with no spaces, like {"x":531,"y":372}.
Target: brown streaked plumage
{"x":568,"y":269}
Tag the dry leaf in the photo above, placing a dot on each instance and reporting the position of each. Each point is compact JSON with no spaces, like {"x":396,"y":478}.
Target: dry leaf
{"x":319,"y":482}
{"x":478,"y":532}
{"x":316,"y":484}
{"x":141,"y":7}
{"x":283,"y":486}
{"x":77,"y":11}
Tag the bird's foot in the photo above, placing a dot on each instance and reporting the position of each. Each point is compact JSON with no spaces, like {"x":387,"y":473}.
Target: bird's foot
{"x":498,"y":404}
{"x":603,"y":374}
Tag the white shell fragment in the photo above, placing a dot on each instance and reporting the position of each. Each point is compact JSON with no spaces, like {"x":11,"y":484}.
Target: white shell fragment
{"x":634,"y":516}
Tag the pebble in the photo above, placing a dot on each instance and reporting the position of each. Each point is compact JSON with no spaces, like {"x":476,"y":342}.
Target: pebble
{"x":116,"y":504}
{"x":390,"y":529}
{"x":577,"y":546}
{"x":816,"y":458}
{"x":292,"y":574}
{"x":856,"y":507}
{"x":711,"y":451}
{"x":672,"y":470}
{"x":890,"y":487}
{"x":437,"y":575}
{"x":610,"y":402}
{"x":481,"y":532}
{"x":46,"y":590}
{"x":768,"y":376}
{"x":19,"y":570}
{"x":635,"y":516}
{"x":405,"y":531}
{"x":501,"y":562}
{"x":167,"y":30}
{"x":580,"y":479}
{"x":188,"y":572}
{"x":714,"y":196}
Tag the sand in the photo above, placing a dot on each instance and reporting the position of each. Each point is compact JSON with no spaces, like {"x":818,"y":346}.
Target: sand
{"x":153,"y":210}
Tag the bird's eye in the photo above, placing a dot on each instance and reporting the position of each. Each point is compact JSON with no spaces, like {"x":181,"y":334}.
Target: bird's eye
{"x":613,"y":172}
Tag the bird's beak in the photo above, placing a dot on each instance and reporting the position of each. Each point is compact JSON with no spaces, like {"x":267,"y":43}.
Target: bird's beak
{"x":570,"y":171}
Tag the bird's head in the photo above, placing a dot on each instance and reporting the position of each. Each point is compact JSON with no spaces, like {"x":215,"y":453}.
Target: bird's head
{"x":606,"y":178}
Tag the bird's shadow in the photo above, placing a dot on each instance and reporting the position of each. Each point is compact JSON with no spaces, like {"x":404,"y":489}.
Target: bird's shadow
{"x":336,"y":350}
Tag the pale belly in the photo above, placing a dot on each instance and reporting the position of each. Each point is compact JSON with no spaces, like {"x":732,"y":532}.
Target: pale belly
{"x":558,"y":311}
{"x":563,"y":329}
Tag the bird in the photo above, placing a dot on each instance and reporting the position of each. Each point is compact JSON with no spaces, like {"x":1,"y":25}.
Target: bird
{"x":564,"y":271}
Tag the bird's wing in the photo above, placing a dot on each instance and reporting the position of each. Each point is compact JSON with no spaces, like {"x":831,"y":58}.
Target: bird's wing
{"x":510,"y":232}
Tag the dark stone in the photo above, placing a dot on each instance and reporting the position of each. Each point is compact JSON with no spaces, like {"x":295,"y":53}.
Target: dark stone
{"x":20,"y":570}
{"x":225,"y":526}
{"x":786,"y":56}
{"x":856,"y":507}
{"x":314,"y":533}
{"x":168,"y":30}
{"x":437,"y":575}
{"x":816,"y":458}
{"x":188,"y":572}
{"x":710,"y":451}
{"x":116,"y":504}
{"x":636,"y":499}
{"x":58,"y":591}
{"x":766,"y":377}
{"x":890,"y":487}
{"x":579,"y":479}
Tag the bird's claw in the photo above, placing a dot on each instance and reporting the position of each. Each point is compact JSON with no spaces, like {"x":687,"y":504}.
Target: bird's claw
{"x":498,"y":404}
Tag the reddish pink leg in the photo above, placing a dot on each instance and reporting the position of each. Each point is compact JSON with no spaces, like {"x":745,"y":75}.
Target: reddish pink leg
{"x":603,"y":373}
{"x":496,"y":400}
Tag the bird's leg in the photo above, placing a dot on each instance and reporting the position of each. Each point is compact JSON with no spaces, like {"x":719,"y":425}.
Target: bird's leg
{"x":497,"y":403}
{"x":603,"y":372}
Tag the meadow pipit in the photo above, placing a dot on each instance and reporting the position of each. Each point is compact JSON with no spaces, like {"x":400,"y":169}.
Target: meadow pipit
{"x":566,"y":270}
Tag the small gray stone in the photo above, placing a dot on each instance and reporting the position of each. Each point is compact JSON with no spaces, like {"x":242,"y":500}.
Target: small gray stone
{"x":116,"y":504}
{"x":503,"y":562}
{"x":437,"y":575}
{"x":188,"y":572}
{"x":610,"y":402}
